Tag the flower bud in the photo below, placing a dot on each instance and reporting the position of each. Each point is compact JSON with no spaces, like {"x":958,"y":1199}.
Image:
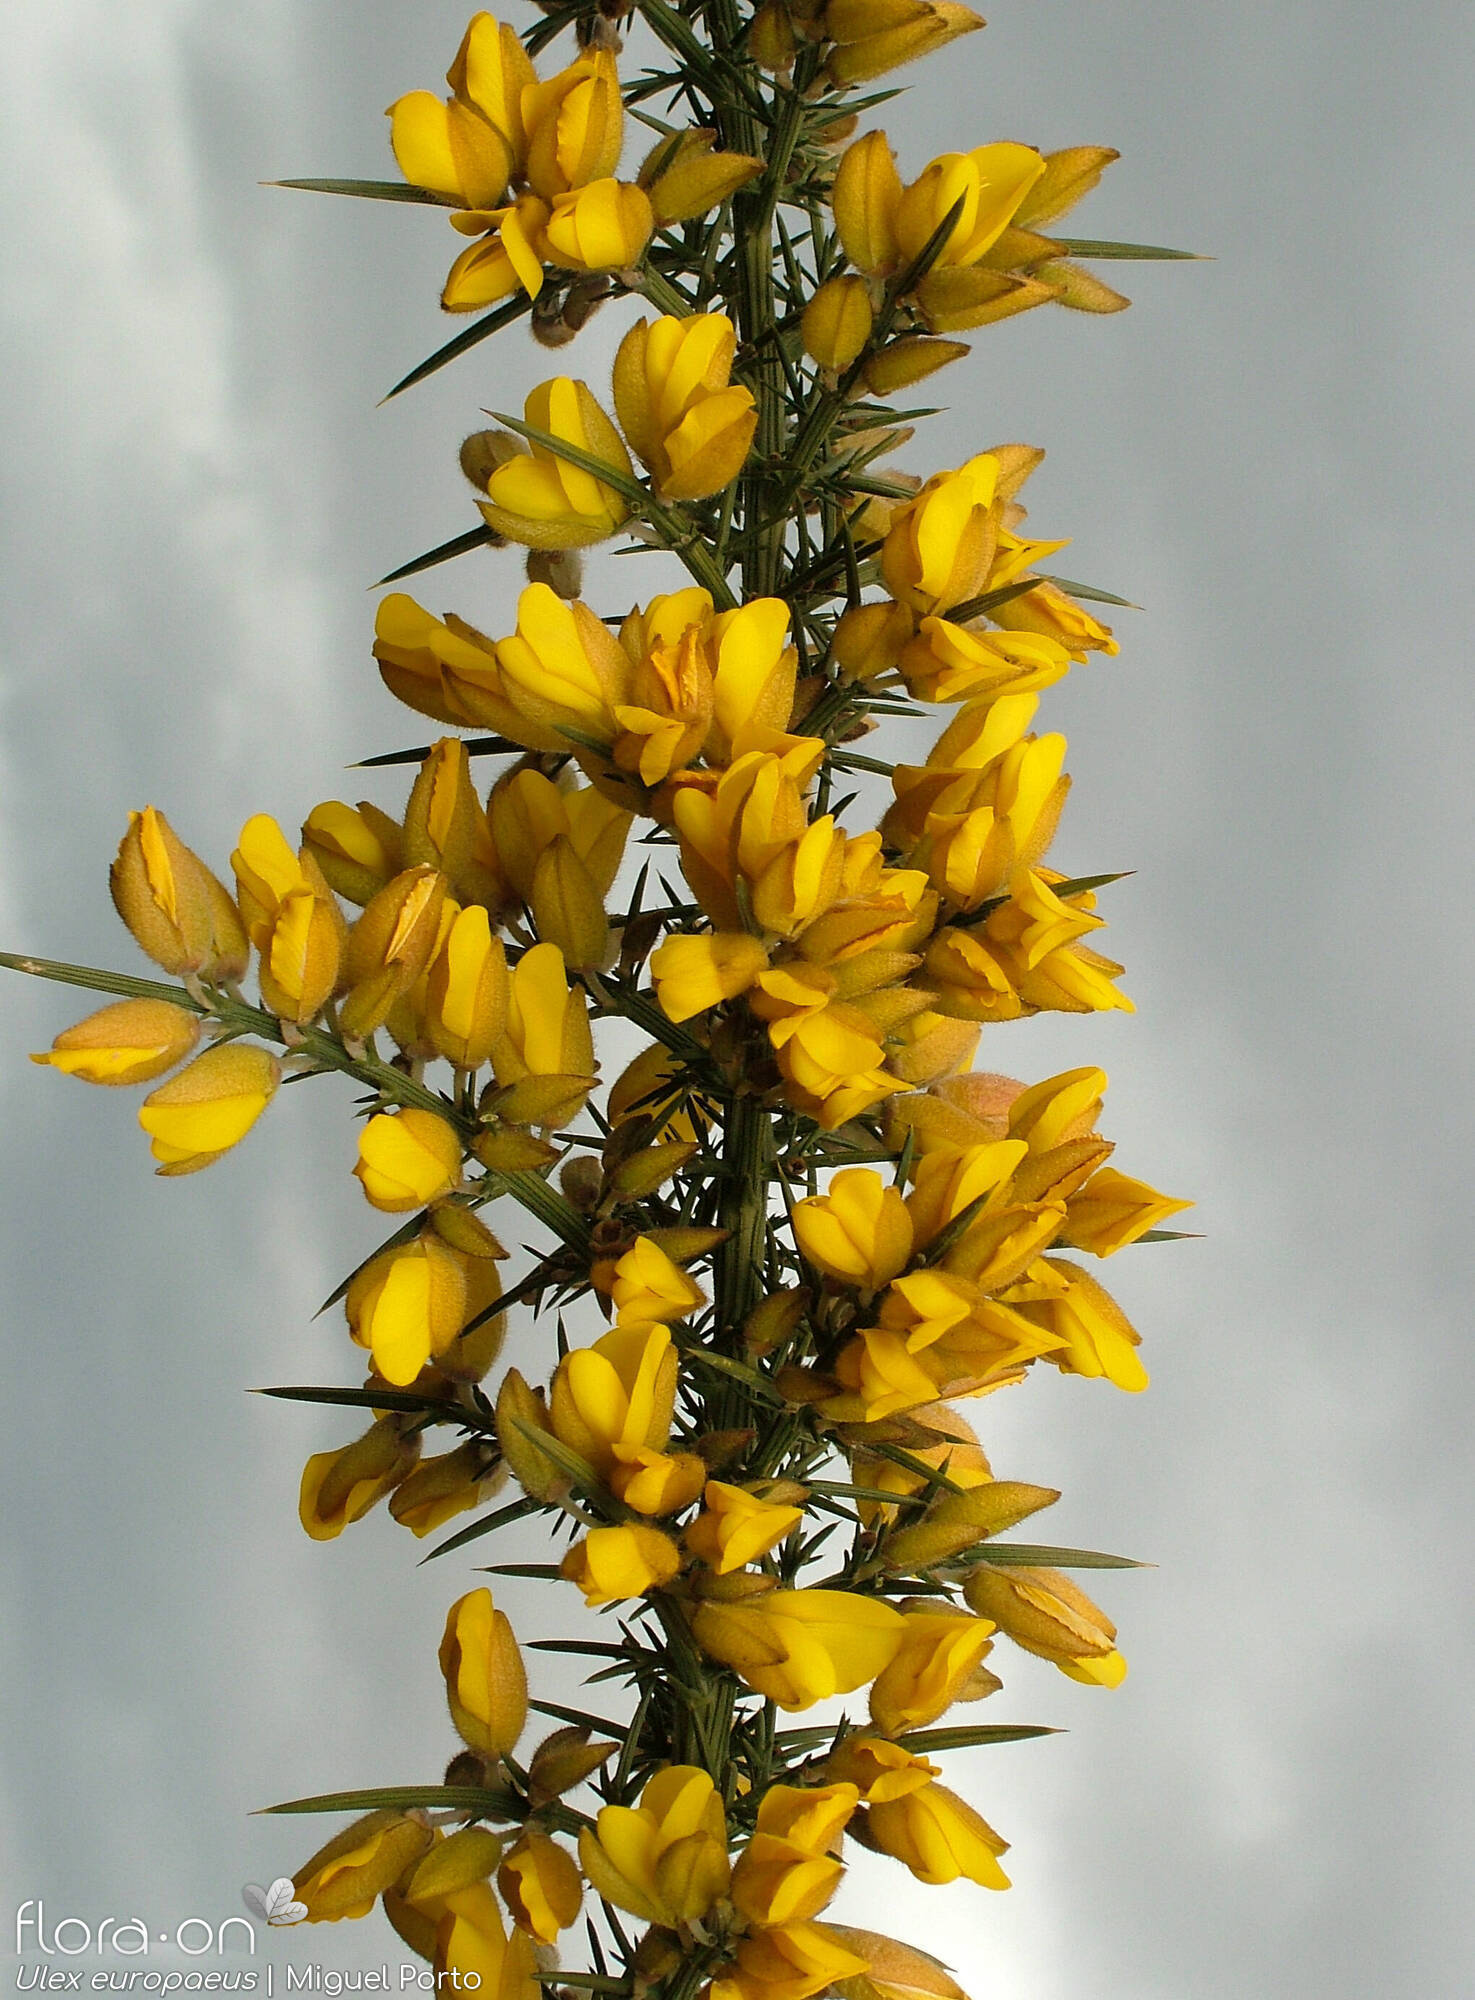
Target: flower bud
{"x":541,"y":1886}
{"x":870,"y":638}
{"x":209,"y":1106}
{"x":341,"y":1486}
{"x":407,"y":1159}
{"x":1079,"y":289}
{"x":178,"y":912}
{"x":865,"y":197}
{"x":563,"y":1760}
{"x":345,"y":1878}
{"x":406,"y":1305}
{"x":485,"y":1683}
{"x":546,"y":501}
{"x":561,"y":569}
{"x":445,"y":827}
{"x":685,"y":178}
{"x":874,"y":36}
{"x":959,"y":1521}
{"x":909,"y":360}
{"x":614,"y":1563}
{"x":1110,"y":1211}
{"x":837,"y":323}
{"x":133,"y":1041}
{"x":522,"y":1417}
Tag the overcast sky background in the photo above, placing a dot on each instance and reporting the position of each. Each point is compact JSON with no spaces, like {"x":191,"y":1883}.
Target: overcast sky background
{"x":1270,"y":453}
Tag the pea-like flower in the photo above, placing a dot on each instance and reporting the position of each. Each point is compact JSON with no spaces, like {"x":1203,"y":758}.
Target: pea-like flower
{"x":486,"y":1686}
{"x":683,"y":417}
{"x":133,"y":1041}
{"x":737,"y":1524}
{"x":346,"y":1877}
{"x":610,"y":1564}
{"x":798,"y":1647}
{"x":545,"y":1059}
{"x":859,"y":1232}
{"x":210,"y":1106}
{"x":541,"y":1886}
{"x":665,"y":1860}
{"x":547,"y":502}
{"x":407,"y":1160}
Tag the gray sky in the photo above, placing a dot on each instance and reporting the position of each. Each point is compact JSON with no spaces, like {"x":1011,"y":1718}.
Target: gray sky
{"x":1270,"y":453}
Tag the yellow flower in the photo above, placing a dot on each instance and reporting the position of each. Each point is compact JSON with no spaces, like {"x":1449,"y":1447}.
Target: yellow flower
{"x":562,"y":668}
{"x":292,"y":919}
{"x":209,"y":1106}
{"x":788,"y":1872}
{"x":541,"y":1886}
{"x":938,"y":1837}
{"x":466,"y":994}
{"x":859,"y":1232}
{"x":648,"y":1286}
{"x":939,"y":1661}
{"x":990,"y":181}
{"x":442,"y":1487}
{"x":545,"y":501}
{"x":939,"y":546}
{"x":547,"y":1053}
{"x":1049,"y":612}
{"x":615,"y":1398}
{"x":957,"y":1453}
{"x":356,"y":847}
{"x":602,"y":227}
{"x":1095,"y":1336}
{"x":1042,"y":1611}
{"x":1113,"y":1210}
{"x":486,"y":1686}
{"x":467,"y":148}
{"x":508,"y":254}
{"x":880,"y":1771}
{"x":407,"y":1304}
{"x":947,"y":662}
{"x":133,"y":1041}
{"x":345,"y":1878}
{"x":693,"y":974}
{"x":447,"y":669}
{"x":684,"y":419}
{"x":473,"y":1953}
{"x":407,"y":1159}
{"x":798,"y":1647}
{"x":665,"y":1860}
{"x":788,"y":1962}
{"x":575,"y":125}
{"x":341,"y":1486}
{"x":832,"y":1063}
{"x":874,"y":36}
{"x":737,"y":1525}
{"x":610,"y":1564}
{"x":178,"y":912}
